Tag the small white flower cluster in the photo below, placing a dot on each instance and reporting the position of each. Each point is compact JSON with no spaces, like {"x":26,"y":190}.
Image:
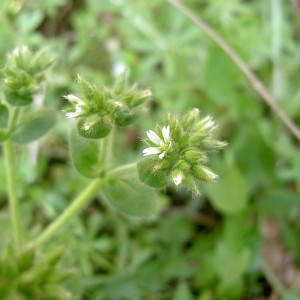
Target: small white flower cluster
{"x":182,"y":147}
{"x":161,"y":144}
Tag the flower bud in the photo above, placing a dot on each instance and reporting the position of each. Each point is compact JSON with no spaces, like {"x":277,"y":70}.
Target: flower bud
{"x":203,"y":173}
{"x":16,"y":99}
{"x":94,"y":127}
{"x":190,"y":117}
{"x":122,"y":115}
{"x":151,"y":173}
{"x":177,"y":176}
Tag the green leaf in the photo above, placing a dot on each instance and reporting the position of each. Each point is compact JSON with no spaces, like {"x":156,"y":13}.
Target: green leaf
{"x":182,"y":292}
{"x":84,"y":155}
{"x":131,"y":198}
{"x":290,"y":296}
{"x":229,"y":194}
{"x":33,"y":126}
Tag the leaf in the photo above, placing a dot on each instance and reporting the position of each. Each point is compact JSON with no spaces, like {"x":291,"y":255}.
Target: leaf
{"x":84,"y":155}
{"x":229,"y":194}
{"x":182,"y":292}
{"x":33,"y":126}
{"x":132,"y":198}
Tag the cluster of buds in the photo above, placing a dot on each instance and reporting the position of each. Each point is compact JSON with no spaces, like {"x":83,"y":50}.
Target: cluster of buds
{"x":178,"y":152}
{"x":23,"y":75}
{"x":99,"y":110}
{"x":24,"y":275}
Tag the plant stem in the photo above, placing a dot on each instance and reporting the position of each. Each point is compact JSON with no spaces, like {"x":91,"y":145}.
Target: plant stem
{"x":11,"y":190}
{"x":87,"y":195}
{"x":256,"y":83}
{"x":124,"y":170}
{"x":106,"y":150}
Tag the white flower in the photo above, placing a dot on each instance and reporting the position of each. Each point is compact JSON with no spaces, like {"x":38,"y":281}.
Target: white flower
{"x":79,"y":106}
{"x":161,"y":145}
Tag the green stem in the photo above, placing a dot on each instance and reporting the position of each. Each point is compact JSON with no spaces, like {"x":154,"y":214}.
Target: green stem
{"x":106,"y":150}
{"x":82,"y":200}
{"x":13,"y":118}
{"x":11,"y":189}
{"x":123,"y":171}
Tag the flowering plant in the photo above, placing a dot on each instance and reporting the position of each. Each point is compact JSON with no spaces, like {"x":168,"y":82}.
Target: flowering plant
{"x":177,"y":154}
{"x":179,"y":151}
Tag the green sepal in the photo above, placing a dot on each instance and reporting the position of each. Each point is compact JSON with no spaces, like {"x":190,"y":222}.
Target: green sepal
{"x":94,"y":127}
{"x":4,"y":116}
{"x":16,"y":99}
{"x":84,"y":155}
{"x":124,"y":118}
{"x":131,"y":198}
{"x":33,"y":126}
{"x":150,"y":173}
{"x":26,"y":260}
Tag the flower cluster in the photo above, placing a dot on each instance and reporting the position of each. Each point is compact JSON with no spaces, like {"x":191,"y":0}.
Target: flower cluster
{"x":98,"y":110}
{"x":26,"y":275}
{"x":179,"y":151}
{"x":23,"y":74}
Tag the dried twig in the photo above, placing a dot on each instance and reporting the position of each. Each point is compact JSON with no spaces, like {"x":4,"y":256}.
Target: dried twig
{"x":256,"y":83}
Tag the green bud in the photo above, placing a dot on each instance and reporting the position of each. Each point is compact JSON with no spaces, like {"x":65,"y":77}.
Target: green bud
{"x":203,"y":173}
{"x":94,"y":127}
{"x":26,"y":259}
{"x":210,"y":144}
{"x":16,"y":99}
{"x":151,"y":173}
{"x":177,"y":176}
{"x":190,"y":183}
{"x":23,"y":74}
{"x":120,"y":84}
{"x":123,"y":117}
{"x":190,"y":117}
{"x":194,"y":156}
{"x":88,"y":89}
{"x":140,"y":97}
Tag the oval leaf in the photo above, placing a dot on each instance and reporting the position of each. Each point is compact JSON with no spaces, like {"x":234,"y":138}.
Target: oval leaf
{"x":33,"y":126}
{"x":84,"y":155}
{"x":131,"y":198}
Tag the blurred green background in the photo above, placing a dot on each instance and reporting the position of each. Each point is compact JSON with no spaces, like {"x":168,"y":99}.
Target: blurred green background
{"x":240,"y":238}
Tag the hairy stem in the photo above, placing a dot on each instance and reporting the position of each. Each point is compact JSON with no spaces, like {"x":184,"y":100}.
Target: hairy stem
{"x":106,"y":150}
{"x":256,"y":83}
{"x":123,"y":171}
{"x":11,"y":190}
{"x":76,"y":206}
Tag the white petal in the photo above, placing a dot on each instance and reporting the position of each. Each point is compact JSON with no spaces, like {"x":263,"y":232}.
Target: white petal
{"x":71,"y":114}
{"x":73,"y":99}
{"x":151,"y":151}
{"x":162,"y":155}
{"x":153,"y":137}
{"x":177,"y":180}
{"x":166,"y":133}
